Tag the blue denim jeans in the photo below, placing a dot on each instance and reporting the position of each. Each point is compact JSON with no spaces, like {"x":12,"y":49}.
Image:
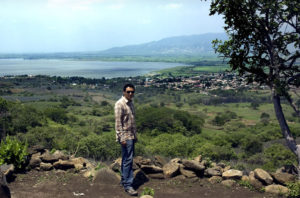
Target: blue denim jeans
{"x":126,"y":167}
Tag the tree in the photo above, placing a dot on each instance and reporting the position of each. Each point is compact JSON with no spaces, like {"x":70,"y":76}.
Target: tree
{"x":3,"y":117}
{"x":263,"y":46}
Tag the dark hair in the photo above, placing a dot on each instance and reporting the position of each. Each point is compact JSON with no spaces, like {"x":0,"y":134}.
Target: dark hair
{"x":128,"y":85}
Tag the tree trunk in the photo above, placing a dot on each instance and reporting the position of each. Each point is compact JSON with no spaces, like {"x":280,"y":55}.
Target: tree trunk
{"x":286,"y":130}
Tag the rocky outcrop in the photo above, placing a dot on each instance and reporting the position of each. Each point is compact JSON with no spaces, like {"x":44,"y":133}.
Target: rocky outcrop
{"x":232,"y":174}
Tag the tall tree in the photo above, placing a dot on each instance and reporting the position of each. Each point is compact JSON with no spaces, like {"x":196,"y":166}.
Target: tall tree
{"x":263,"y":46}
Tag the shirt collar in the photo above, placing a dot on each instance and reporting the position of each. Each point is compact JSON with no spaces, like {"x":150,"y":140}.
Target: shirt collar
{"x":127,"y":101}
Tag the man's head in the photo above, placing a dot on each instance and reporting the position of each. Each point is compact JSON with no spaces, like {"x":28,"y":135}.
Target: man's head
{"x":128,"y":91}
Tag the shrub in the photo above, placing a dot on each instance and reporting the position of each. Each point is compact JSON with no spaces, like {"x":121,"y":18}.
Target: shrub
{"x":58,"y":115}
{"x":148,"y":191}
{"x":294,"y":189}
{"x":13,"y":152}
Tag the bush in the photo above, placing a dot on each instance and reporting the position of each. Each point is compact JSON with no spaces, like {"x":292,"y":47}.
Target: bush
{"x":294,"y":189}
{"x":58,"y":115}
{"x":217,"y":153}
{"x":13,"y":152}
{"x":224,"y":117}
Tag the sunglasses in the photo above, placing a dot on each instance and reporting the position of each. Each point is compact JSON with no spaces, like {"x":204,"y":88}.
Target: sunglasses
{"x":130,"y":92}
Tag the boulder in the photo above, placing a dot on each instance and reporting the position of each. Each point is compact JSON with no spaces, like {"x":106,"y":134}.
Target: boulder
{"x":245,"y":178}
{"x":283,"y":178}
{"x":215,"y":179}
{"x":45,"y":166}
{"x":159,"y":161}
{"x":7,"y":170}
{"x":193,"y":165}
{"x":139,"y":160}
{"x":116,"y":165}
{"x":232,"y":174}
{"x":139,"y":178}
{"x":288,"y":169}
{"x":149,"y":169}
{"x":156,"y":176}
{"x":198,"y":158}
{"x":36,"y":149}
{"x":255,"y":182}
{"x":81,"y":163}
{"x":228,"y":182}
{"x":176,"y":160}
{"x":187,"y":173}
{"x":4,"y":190}
{"x":63,"y":164}
{"x":263,"y":176}
{"x":35,"y":160}
{"x":222,"y":165}
{"x":277,"y":189}
{"x":51,"y":158}
{"x":213,"y":172}
{"x":171,"y":169}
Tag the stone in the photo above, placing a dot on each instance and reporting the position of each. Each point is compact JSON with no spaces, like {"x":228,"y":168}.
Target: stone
{"x":139,"y":178}
{"x":291,"y":169}
{"x":90,"y":173}
{"x":232,"y":174}
{"x":171,"y":169}
{"x":277,"y":189}
{"x":149,"y":169}
{"x":8,"y":170}
{"x":36,"y":149}
{"x":156,"y":176}
{"x":159,"y":161}
{"x":4,"y":189}
{"x":222,"y":165}
{"x":255,"y":182}
{"x":35,"y":160}
{"x":51,"y":158}
{"x":226,"y":168}
{"x":63,"y":164}
{"x":283,"y":178}
{"x":176,"y":160}
{"x":228,"y":183}
{"x":81,"y":163}
{"x":263,"y":176}
{"x":139,"y":160}
{"x":212,"y":172}
{"x":198,"y":158}
{"x":187,"y":173}
{"x":116,"y":165}
{"x":193,"y":165}
{"x":146,"y":196}
{"x":245,"y":178}
{"x":215,"y":179}
{"x":45,"y":166}
{"x":106,"y":176}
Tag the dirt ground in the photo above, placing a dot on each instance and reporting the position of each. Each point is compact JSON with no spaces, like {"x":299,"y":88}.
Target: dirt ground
{"x":60,"y":184}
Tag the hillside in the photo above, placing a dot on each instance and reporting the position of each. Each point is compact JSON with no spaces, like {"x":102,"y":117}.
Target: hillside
{"x":180,"y":45}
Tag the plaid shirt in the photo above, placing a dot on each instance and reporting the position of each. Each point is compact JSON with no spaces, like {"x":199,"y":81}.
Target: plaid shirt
{"x":125,"y":120}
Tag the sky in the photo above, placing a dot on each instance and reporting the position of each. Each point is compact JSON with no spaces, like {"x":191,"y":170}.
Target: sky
{"x":42,"y":26}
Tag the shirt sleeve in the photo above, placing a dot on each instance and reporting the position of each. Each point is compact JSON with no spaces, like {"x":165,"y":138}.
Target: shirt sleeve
{"x":118,"y":123}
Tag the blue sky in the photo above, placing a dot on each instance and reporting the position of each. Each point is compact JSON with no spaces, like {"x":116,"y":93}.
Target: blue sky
{"x":90,"y":25}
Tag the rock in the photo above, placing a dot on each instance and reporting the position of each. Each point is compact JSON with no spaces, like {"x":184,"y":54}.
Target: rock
{"x":215,"y":179}
{"x":263,"y":176}
{"x":146,"y":196}
{"x":7,"y":169}
{"x":187,"y":173}
{"x":156,"y":176}
{"x":45,"y":166}
{"x":149,"y":169}
{"x":228,"y":183}
{"x":81,"y":163}
{"x":51,"y":158}
{"x":171,"y":169}
{"x":35,"y":160}
{"x":106,"y":176}
{"x":36,"y":149}
{"x":212,"y":172}
{"x":139,"y":178}
{"x":226,"y":168}
{"x":193,"y":165}
{"x":245,"y":178}
{"x":283,"y":178}
{"x":159,"y":161}
{"x":288,"y":169}
{"x":176,"y":160}
{"x":255,"y":182}
{"x":139,"y":160}
{"x":90,"y":173}
{"x":4,"y":190}
{"x":232,"y":174}
{"x":63,"y":164}
{"x":277,"y":189}
{"x":198,"y":158}
{"x":222,"y":165}
{"x":116,"y":165}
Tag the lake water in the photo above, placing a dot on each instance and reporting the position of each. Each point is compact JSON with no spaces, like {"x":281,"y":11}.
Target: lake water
{"x":88,"y":69}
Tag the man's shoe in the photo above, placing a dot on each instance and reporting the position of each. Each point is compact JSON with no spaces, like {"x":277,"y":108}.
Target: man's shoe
{"x":131,"y":191}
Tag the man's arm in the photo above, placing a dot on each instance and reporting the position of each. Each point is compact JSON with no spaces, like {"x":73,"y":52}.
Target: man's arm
{"x":118,"y":123}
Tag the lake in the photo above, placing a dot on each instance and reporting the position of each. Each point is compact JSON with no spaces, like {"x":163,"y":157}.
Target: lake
{"x":88,"y":69}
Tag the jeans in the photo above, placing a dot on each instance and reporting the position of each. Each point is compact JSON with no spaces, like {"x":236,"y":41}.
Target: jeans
{"x":126,"y":166}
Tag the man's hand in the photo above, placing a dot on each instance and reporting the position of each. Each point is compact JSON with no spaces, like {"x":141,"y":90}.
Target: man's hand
{"x":123,"y":143}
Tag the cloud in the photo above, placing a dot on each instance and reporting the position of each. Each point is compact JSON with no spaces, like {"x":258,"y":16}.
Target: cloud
{"x":171,"y":6}
{"x":73,"y":4}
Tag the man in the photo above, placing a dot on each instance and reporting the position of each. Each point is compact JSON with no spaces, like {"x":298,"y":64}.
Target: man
{"x":126,"y":135}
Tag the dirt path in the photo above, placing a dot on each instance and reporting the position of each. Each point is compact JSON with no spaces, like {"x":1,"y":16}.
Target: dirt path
{"x":61,"y":184}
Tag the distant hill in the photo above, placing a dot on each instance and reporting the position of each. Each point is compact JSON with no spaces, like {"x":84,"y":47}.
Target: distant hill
{"x":179,"y":45}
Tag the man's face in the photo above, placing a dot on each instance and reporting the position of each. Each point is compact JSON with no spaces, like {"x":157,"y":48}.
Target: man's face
{"x":128,"y":93}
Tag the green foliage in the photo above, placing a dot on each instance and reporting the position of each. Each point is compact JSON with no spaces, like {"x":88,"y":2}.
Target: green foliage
{"x":246,"y":184}
{"x":224,"y":117}
{"x":252,"y":145}
{"x":217,"y":153}
{"x":276,"y":156}
{"x":154,"y":121}
{"x":13,"y":152}
{"x":66,"y":101}
{"x":58,"y":115}
{"x":148,"y":191}
{"x":294,"y":190}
